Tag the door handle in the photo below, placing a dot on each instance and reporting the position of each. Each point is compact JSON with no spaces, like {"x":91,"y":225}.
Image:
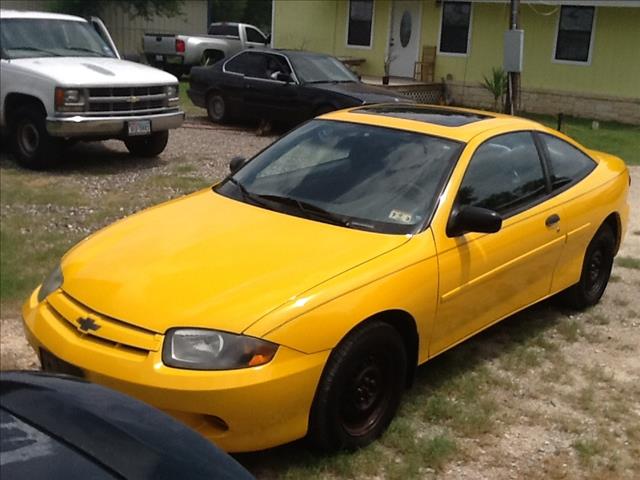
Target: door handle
{"x":552,"y":220}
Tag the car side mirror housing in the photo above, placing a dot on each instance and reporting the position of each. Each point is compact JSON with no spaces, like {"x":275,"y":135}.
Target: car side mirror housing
{"x":236,"y":163}
{"x":473,"y":219}
{"x":281,"y":77}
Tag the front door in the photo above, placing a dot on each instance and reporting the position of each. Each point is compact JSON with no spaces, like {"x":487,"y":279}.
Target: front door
{"x":404,"y":41}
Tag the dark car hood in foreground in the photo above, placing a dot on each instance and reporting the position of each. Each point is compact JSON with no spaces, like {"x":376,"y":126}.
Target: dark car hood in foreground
{"x":57,"y":427}
{"x":361,"y":91}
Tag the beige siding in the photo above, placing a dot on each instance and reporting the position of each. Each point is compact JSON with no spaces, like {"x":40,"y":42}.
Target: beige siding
{"x":126,"y":31}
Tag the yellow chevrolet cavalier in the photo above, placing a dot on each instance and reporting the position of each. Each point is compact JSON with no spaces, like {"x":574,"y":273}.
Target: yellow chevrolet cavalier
{"x":297,"y":296}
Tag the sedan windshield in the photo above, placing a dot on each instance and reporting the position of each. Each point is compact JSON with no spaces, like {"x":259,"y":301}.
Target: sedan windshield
{"x":357,"y":176}
{"x":34,"y":37}
{"x":320,"y":69}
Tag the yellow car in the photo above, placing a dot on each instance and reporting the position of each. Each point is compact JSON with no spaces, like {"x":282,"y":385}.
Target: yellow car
{"x":297,"y":296}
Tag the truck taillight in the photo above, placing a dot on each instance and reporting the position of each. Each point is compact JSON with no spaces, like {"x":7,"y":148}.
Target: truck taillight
{"x":179,"y":46}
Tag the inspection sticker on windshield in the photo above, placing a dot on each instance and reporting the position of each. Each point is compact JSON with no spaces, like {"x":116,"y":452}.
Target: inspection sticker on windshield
{"x":400,"y":216}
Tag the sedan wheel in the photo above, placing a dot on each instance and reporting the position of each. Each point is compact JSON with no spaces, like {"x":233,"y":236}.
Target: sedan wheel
{"x":360,"y":389}
{"x":216,"y":108}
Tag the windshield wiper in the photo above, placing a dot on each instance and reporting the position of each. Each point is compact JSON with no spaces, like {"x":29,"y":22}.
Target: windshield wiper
{"x":246,"y":194}
{"x":308,"y":209}
{"x":34,"y":49}
{"x":88,"y":50}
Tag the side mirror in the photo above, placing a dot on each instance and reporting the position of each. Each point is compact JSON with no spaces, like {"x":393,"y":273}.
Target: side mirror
{"x":281,"y":77}
{"x":236,"y":163}
{"x":473,"y":219}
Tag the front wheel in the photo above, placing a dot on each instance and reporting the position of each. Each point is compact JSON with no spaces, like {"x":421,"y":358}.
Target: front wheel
{"x":596,"y":270}
{"x":34,"y":147}
{"x":148,"y":145}
{"x":360,"y":388}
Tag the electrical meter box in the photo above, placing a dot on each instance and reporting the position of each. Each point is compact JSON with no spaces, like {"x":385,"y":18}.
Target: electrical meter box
{"x":513,"y":50}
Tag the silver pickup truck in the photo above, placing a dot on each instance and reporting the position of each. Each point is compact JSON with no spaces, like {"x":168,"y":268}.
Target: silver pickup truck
{"x":178,"y":53}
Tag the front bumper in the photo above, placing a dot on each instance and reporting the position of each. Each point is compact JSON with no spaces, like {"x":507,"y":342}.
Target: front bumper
{"x":82,"y":126}
{"x":261,"y":406}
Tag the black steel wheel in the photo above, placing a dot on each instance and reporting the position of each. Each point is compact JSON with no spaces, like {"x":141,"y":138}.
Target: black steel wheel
{"x":360,"y":389}
{"x":596,"y":270}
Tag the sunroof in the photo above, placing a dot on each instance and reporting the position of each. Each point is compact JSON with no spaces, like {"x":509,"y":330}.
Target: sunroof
{"x":437,"y":116}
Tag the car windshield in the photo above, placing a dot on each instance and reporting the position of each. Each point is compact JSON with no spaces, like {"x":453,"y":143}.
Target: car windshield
{"x":35,"y":37}
{"x":357,"y":176}
{"x":320,"y":69}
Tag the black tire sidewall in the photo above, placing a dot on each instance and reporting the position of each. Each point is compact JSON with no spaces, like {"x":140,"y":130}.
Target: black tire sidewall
{"x":48,"y":150}
{"x":326,"y":427}
{"x":210,"y":111}
{"x":148,"y":146}
{"x":605,"y":239}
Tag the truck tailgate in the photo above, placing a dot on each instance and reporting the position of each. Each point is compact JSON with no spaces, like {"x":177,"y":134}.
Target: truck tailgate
{"x":159,"y":43}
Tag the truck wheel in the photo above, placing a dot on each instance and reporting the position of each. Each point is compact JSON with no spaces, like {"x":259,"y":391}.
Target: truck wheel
{"x":33,"y":146}
{"x":217,"y":108}
{"x":149,"y":145}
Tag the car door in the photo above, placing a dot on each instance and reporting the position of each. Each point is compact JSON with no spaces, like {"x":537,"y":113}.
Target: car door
{"x":232,"y":82}
{"x":485,"y":277}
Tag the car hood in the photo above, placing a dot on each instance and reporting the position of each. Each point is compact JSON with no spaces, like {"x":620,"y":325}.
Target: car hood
{"x":210,"y":261}
{"x":361,"y":91}
{"x":94,"y":71}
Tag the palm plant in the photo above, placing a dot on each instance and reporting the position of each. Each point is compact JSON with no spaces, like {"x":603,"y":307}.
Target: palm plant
{"x":496,"y":85}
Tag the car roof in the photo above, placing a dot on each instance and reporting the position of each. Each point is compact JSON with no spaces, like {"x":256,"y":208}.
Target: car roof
{"x":39,"y":15}
{"x":461,"y":124}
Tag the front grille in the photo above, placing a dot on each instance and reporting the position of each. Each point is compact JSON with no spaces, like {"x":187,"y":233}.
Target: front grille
{"x":110,"y":332}
{"x":127,"y":101}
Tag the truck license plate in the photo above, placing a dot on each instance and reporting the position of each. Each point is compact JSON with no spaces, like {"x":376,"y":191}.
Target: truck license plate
{"x":159,"y":58}
{"x":139,"y":127}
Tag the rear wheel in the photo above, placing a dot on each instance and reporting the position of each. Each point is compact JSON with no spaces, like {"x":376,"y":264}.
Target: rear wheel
{"x":33,"y":146}
{"x":360,"y":389}
{"x":596,"y":270}
{"x":217,"y":108}
{"x":148,"y":145}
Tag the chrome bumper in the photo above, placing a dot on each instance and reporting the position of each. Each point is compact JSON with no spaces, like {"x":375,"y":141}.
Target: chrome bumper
{"x":78,"y":126}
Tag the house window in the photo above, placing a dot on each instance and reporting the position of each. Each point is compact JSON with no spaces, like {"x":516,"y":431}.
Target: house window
{"x":454,"y":30}
{"x":359,"y":30}
{"x":575,"y":30}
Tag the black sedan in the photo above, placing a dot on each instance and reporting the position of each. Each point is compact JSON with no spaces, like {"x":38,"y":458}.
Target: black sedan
{"x":280,"y":85}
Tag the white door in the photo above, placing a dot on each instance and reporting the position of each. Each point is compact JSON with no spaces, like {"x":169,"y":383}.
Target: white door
{"x":404,"y":41}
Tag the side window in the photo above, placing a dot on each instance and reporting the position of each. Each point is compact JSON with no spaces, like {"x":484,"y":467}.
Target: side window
{"x":567,"y":164}
{"x":238,"y":64}
{"x":254,"y":36}
{"x":505,"y":174}
{"x":277,"y":63}
{"x":224,"y":30}
{"x":250,"y":64}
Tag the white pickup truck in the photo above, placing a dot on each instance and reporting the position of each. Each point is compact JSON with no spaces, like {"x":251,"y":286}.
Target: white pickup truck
{"x":178,"y":53}
{"x":61,"y":78}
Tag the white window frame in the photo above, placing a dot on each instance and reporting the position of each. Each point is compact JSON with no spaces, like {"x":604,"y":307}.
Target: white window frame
{"x":373,"y":21}
{"x":593,"y":34}
{"x":453,"y":54}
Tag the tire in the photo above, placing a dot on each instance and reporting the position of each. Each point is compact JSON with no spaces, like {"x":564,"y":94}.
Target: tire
{"x":217,"y":108}
{"x":34,"y":148}
{"x":596,"y":270}
{"x":360,"y":389}
{"x":149,"y":145}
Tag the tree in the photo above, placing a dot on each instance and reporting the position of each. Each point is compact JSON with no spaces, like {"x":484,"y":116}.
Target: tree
{"x":255,"y":12}
{"x":135,"y":8}
{"x":496,"y":85}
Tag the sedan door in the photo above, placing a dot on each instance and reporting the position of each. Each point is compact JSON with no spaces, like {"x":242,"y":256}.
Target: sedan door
{"x":486,"y":277}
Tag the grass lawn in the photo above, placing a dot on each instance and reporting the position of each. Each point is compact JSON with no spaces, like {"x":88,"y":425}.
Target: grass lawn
{"x":186,"y":103}
{"x":611,"y":137}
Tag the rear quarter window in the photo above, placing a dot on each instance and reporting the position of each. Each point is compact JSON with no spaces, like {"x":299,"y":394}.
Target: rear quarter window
{"x":567,"y":164}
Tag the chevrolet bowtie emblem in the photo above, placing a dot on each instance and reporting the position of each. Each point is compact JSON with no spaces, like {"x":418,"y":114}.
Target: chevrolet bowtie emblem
{"x":133,"y":99}
{"x":87,"y":324}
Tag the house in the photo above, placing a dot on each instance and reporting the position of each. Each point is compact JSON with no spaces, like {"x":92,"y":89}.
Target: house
{"x":580,"y":57}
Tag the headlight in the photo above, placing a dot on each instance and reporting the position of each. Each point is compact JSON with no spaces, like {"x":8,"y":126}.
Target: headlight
{"x":70,"y":100}
{"x":173,"y":95}
{"x":51,"y":284}
{"x":200,"y":349}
